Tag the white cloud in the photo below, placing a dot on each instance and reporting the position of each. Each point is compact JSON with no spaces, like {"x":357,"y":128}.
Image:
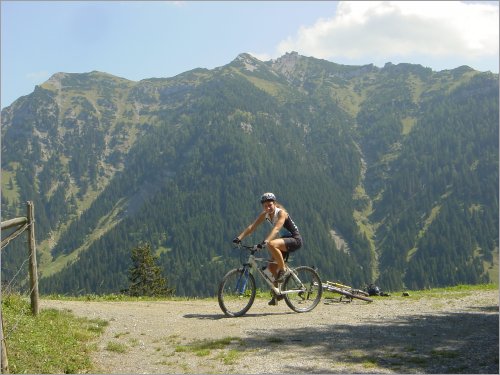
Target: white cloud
{"x":384,"y":30}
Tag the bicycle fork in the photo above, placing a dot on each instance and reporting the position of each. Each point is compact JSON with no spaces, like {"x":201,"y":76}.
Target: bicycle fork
{"x":241,"y":284}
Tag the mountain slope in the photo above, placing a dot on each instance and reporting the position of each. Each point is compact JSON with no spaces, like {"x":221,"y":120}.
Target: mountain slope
{"x":391,"y":174}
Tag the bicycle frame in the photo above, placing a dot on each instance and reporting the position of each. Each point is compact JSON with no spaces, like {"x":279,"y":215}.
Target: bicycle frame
{"x":346,"y":290}
{"x":253,"y":262}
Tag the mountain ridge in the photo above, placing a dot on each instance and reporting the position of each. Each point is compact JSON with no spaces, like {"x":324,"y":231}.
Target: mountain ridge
{"x":345,"y":128}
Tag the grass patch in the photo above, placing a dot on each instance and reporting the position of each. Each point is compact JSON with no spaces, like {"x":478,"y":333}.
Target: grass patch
{"x":230,"y":357}
{"x":264,"y":294}
{"x":181,"y":349}
{"x":458,"y":290}
{"x":444,"y":353}
{"x":50,"y":266}
{"x":118,"y":298}
{"x":370,"y":363}
{"x":408,"y":124}
{"x":116,"y":347}
{"x":212,"y":344}
{"x":134,"y":342}
{"x":53,"y":342}
{"x":202,"y":352}
{"x":10,"y":189}
{"x":204,"y":348}
{"x":172,"y":340}
{"x":366,"y":361}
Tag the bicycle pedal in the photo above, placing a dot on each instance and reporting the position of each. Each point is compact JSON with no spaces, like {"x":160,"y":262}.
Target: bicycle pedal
{"x":274,"y":300}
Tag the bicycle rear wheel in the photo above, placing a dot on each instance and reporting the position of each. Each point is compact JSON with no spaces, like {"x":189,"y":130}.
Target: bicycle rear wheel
{"x":302,"y":291}
{"x":236,"y":292}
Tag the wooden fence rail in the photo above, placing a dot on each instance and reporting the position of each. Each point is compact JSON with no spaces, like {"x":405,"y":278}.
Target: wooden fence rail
{"x":22,"y":224}
{"x":13,"y":222}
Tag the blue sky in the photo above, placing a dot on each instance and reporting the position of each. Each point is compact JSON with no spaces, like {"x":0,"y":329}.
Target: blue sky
{"x":139,"y":40}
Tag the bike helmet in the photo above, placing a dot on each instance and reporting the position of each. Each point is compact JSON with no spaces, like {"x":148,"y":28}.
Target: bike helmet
{"x":267,"y":197}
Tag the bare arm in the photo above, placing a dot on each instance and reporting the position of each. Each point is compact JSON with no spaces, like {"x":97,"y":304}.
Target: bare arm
{"x":248,"y":230}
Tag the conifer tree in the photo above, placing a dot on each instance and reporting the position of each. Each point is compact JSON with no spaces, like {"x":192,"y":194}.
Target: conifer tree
{"x":145,"y":275}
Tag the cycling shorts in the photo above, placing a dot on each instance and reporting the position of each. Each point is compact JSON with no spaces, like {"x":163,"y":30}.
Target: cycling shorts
{"x":293,"y":243}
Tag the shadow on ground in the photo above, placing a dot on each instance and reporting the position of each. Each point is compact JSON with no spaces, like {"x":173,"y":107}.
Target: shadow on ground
{"x":447,"y":343}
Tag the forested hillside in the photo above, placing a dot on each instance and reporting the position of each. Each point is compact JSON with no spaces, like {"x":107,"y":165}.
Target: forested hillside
{"x":390,"y":173}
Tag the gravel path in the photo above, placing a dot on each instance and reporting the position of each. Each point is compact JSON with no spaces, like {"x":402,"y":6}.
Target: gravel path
{"x":455,"y":333}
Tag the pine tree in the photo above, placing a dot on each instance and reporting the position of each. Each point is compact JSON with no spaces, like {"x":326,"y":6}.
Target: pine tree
{"x":145,"y":274}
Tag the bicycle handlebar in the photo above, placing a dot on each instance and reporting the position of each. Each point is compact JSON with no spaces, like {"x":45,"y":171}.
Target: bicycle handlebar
{"x":254,"y":248}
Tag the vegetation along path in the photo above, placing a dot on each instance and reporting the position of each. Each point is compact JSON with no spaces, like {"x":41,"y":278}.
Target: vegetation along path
{"x":454,"y":331}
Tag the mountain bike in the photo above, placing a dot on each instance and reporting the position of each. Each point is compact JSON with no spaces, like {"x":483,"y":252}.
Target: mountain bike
{"x":346,"y":291}
{"x":301,"y":289}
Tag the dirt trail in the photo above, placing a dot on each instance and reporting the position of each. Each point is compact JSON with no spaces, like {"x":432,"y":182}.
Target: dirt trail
{"x":456,"y":334}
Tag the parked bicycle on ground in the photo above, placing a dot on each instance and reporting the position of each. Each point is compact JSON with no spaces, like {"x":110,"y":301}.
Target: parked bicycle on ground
{"x":346,"y":291}
{"x":301,"y":289}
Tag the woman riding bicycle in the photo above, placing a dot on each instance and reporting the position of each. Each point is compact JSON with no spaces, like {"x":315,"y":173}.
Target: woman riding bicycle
{"x":289,"y":238}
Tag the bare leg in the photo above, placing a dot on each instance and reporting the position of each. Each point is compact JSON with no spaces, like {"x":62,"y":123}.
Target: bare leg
{"x":277,"y":247}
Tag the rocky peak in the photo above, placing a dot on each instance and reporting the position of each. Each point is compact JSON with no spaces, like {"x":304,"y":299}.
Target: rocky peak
{"x":286,"y":64}
{"x":55,"y":80}
{"x":248,"y":61}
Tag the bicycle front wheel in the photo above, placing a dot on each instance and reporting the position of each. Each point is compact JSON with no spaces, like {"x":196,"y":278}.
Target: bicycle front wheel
{"x":302,"y":289}
{"x":236,"y":292}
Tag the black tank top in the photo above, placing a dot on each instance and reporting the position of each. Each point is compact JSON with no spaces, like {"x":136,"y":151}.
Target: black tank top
{"x":289,"y":228}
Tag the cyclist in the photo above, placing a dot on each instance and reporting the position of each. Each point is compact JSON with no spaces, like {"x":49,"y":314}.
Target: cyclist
{"x":289,"y":238}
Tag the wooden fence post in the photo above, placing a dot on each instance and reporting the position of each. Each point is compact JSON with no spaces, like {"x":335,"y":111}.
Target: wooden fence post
{"x":4,"y":363}
{"x":32,"y":258}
